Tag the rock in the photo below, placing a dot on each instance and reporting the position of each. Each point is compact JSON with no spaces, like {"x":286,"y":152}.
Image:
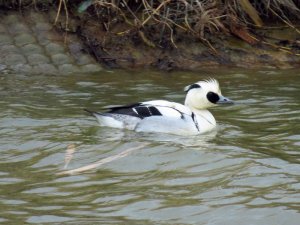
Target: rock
{"x":5,"y":40}
{"x":54,"y":48}
{"x":24,"y":39}
{"x":21,"y":68}
{"x":8,"y":49}
{"x":35,"y":59}
{"x":31,"y":49}
{"x":45,"y":68}
{"x":59,"y":59}
{"x":18,"y":28}
{"x":91,"y":68}
{"x":14,"y":59}
{"x":67,"y":69}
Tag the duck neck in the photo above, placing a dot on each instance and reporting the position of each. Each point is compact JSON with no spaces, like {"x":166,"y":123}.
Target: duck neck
{"x":200,"y":111}
{"x":205,"y":115}
{"x":194,"y":110}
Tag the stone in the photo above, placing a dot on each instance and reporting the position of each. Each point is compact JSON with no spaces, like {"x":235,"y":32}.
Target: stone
{"x":36,"y":59}
{"x":18,"y":28}
{"x":90,"y":68}
{"x":11,"y":19}
{"x":5,"y":39}
{"x":31,"y":49}
{"x":24,"y":39}
{"x":68,"y":68}
{"x":82,"y":59}
{"x":14,"y":59}
{"x":21,"y":68}
{"x":53,"y":48}
{"x":45,"y":68}
{"x":59,"y":59}
{"x":43,"y":38}
{"x":8,"y":49}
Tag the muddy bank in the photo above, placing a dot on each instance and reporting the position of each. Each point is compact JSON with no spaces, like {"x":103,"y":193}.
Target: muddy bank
{"x":192,"y":34}
{"x":41,"y":42}
{"x":276,"y":47}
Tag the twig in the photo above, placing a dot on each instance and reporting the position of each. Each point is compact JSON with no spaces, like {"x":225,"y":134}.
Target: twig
{"x":58,"y":12}
{"x":69,"y":154}
{"x":101,"y":162}
{"x":155,"y":11}
{"x":285,"y":21}
{"x":67,"y":21}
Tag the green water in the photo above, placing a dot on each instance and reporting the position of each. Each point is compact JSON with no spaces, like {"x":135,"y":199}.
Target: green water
{"x":245,"y":172}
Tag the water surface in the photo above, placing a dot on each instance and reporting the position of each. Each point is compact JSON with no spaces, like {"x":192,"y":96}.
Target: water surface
{"x":244,"y":172}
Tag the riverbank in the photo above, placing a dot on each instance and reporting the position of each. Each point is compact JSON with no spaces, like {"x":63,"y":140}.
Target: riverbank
{"x":86,"y":42}
{"x":278,"y":47}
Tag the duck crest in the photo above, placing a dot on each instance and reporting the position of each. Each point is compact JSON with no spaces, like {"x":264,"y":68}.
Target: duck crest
{"x":213,"y":83}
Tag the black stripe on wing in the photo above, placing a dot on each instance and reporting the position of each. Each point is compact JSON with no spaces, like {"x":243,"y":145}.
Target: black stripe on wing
{"x":154,"y":111}
{"x":125,"y":109}
{"x":138,"y":110}
{"x":146,"y":111}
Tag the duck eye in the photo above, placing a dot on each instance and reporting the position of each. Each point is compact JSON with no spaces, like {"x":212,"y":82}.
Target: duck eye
{"x":192,"y":86}
{"x":212,"y":97}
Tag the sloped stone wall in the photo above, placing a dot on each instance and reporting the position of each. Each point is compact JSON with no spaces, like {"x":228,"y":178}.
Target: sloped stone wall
{"x":29,"y":43}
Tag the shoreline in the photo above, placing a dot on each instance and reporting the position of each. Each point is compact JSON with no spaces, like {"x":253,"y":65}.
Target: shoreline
{"x":274,"y":46}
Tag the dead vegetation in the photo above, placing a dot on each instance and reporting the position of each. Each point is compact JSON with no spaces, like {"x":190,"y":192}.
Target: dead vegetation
{"x":199,"y":18}
{"x":166,"y":18}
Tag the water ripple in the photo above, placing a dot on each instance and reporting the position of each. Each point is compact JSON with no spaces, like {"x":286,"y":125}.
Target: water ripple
{"x":246,"y":170}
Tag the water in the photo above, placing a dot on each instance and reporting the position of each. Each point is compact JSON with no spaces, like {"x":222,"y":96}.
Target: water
{"x":245,"y":172}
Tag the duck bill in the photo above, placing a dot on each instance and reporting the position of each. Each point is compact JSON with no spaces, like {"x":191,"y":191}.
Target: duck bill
{"x":223,"y":100}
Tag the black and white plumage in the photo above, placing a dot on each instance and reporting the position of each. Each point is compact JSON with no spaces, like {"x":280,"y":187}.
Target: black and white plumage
{"x":169,"y":117}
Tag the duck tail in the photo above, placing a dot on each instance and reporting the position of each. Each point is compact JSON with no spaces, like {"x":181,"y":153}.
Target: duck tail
{"x":91,"y":113}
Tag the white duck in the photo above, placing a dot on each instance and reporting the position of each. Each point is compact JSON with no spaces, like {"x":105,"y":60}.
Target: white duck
{"x":169,"y":117}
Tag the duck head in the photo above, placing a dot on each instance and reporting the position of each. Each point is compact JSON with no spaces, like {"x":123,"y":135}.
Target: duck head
{"x":204,"y":94}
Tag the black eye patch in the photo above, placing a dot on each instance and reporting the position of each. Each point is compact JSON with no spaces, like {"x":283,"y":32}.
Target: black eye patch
{"x":192,"y":86}
{"x":212,"y":97}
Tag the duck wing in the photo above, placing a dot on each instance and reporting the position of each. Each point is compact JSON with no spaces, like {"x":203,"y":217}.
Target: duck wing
{"x":151,"y":116}
{"x":152,"y":108}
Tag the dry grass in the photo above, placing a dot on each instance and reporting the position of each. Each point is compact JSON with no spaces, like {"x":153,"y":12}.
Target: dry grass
{"x":199,"y":18}
{"x":169,"y":17}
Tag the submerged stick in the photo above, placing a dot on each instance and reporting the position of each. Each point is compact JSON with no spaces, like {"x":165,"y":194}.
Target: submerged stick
{"x":101,"y":162}
{"x":69,"y":154}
